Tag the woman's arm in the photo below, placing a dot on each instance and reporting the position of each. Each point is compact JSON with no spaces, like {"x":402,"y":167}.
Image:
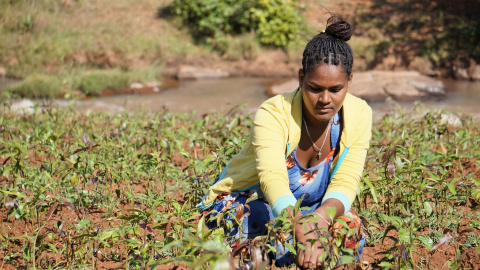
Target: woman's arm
{"x":270,"y":137}
{"x":346,"y":179}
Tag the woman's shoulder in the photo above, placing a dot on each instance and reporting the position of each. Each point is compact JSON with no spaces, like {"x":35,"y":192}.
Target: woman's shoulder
{"x":282,"y":103}
{"x":355,"y":105}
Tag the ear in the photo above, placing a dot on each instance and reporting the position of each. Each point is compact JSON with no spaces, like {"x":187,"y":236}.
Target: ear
{"x":349,"y":81}
{"x":301,"y":75}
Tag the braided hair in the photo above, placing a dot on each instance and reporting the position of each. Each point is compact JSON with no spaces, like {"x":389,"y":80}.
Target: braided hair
{"x":330,"y":47}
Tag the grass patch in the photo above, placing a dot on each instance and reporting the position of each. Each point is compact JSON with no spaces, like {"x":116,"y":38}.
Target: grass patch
{"x":94,"y":82}
{"x":89,"y":82}
{"x":37,"y":86}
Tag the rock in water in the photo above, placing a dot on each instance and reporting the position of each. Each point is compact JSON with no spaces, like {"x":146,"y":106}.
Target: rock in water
{"x":428,"y":85}
{"x":24,"y":106}
{"x":476,"y":73}
{"x":283,"y":87}
{"x":402,"y":91}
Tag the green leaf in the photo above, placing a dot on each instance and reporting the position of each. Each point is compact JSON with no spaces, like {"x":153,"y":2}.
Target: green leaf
{"x":373,"y":191}
{"x":71,"y":160}
{"x":291,"y":249}
{"x":74,"y":180}
{"x":208,"y":159}
{"x":385,"y":265}
{"x":426,"y":241}
{"x":428,"y":208}
{"x":27,"y":253}
{"x":451,"y":187}
{"x":301,"y":246}
{"x":212,"y":245}
{"x":347,"y":259}
{"x":331,"y":211}
{"x":201,"y":228}
{"x":15,"y":193}
{"x":133,"y":242}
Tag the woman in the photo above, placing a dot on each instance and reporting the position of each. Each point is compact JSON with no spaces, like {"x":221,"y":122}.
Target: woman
{"x":309,"y":144}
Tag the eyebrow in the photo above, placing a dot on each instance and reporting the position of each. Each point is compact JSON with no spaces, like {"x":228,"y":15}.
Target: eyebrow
{"x":319,"y":86}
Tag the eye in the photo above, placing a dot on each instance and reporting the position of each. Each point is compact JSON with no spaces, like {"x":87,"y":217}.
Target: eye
{"x":315,"y":89}
{"x":336,"y":90}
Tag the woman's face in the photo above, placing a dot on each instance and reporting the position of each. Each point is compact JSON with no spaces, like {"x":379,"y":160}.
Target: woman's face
{"x":323,"y":90}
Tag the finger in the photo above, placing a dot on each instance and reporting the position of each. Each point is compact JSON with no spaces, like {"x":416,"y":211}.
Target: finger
{"x":300,"y":258}
{"x":307,"y":258}
{"x":318,"y":262}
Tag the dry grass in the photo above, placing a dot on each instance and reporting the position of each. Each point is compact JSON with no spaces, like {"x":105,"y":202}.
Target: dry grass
{"x":58,"y":36}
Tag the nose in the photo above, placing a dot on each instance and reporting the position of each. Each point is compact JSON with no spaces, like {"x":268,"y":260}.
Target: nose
{"x":324,"y":97}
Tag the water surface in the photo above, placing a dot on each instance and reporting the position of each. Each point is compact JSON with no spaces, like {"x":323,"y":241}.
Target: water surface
{"x":220,"y":95}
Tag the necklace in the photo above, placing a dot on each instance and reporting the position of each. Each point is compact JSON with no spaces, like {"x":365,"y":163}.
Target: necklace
{"x":324,"y":140}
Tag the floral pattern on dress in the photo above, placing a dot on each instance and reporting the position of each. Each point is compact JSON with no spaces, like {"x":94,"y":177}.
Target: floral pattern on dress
{"x":307,"y":177}
{"x":290,"y":162}
{"x":353,"y":221}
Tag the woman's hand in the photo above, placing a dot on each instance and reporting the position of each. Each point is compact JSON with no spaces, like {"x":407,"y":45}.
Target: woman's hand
{"x":308,"y":259}
{"x":304,"y":234}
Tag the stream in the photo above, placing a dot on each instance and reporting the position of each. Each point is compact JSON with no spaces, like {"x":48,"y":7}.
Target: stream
{"x":203,"y":96}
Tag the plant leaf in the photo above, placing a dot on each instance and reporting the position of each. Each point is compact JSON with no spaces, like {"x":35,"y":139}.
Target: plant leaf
{"x":373,"y":191}
{"x":69,"y":205}
{"x":331,"y":211}
{"x":443,"y":241}
{"x":85,"y":140}
{"x":239,"y":211}
{"x":74,"y":180}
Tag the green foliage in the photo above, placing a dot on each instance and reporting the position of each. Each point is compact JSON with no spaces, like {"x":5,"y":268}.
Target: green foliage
{"x":37,"y":86}
{"x":123,"y":188}
{"x":275,"y":22}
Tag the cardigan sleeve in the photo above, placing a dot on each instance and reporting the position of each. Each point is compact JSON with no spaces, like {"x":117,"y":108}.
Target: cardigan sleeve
{"x":351,"y":162}
{"x":269,"y":140}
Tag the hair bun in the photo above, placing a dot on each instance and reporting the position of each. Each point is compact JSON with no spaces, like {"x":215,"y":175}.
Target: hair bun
{"x":338,"y":28}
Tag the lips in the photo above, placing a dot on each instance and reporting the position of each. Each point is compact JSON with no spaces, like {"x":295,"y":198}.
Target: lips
{"x":324,"y":110}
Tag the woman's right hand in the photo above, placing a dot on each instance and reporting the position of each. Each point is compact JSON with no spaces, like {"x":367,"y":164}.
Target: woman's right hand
{"x":308,"y":258}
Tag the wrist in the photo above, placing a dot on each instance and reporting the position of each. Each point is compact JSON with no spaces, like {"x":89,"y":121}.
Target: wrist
{"x":322,"y":219}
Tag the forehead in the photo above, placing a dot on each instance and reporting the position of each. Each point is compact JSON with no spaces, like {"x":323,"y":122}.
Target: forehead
{"x":325,"y":72}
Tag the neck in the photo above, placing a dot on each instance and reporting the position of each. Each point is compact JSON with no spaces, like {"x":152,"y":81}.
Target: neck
{"x":312,"y":121}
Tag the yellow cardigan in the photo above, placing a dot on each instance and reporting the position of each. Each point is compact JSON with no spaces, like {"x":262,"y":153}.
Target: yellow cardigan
{"x":275,"y":134}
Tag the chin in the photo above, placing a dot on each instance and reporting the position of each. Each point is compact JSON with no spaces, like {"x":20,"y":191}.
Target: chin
{"x":324,"y":117}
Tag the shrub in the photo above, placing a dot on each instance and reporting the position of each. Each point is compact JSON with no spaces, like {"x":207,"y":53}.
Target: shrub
{"x":275,"y":22}
{"x":37,"y":86}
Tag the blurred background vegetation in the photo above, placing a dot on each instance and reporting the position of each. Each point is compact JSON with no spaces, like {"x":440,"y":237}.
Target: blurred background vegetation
{"x":70,"y":44}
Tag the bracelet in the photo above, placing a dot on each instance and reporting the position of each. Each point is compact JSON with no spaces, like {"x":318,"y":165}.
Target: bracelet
{"x":324,"y":219}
